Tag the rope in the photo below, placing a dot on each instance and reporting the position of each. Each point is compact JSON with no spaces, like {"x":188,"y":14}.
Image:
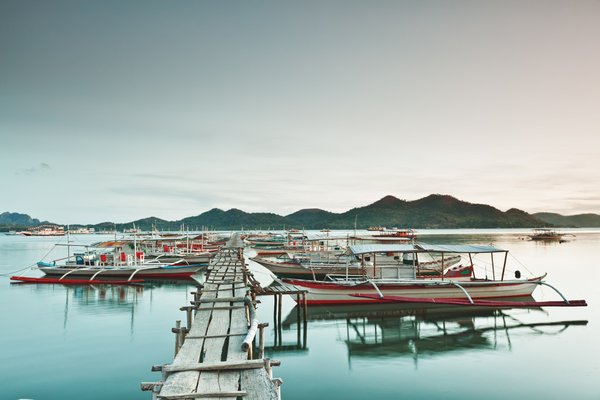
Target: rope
{"x":521,"y":264}
{"x":7,"y":274}
{"x":29,"y":266}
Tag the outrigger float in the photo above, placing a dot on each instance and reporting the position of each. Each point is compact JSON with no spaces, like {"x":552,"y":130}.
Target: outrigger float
{"x":409,"y":287}
{"x":27,"y":279}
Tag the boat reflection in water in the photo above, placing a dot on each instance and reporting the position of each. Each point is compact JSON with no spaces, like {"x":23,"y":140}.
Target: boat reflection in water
{"x":104,"y":300}
{"x":392,"y":330}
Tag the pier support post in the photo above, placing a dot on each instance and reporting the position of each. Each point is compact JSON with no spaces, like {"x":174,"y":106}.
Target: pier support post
{"x":180,"y":333}
{"x":261,"y":339}
{"x":279,"y":326}
{"x":176,"y":332}
{"x":188,"y":312}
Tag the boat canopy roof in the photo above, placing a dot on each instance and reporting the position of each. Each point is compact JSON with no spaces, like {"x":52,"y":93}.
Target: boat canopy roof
{"x":422,"y":248}
{"x":383,"y":248}
{"x":110,"y":244}
{"x":313,"y":237}
{"x":459,"y":248}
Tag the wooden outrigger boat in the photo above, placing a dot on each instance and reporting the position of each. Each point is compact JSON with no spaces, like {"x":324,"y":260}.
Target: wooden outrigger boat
{"x":547,"y":234}
{"x":317,"y":265}
{"x":146,"y":270}
{"x":409,"y":287}
{"x":114,"y":260}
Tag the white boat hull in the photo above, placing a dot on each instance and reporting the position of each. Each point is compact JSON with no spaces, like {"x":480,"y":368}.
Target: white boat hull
{"x":323,"y":293}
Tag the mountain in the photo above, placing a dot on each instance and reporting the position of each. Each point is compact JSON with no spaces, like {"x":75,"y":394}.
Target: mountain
{"x":313,"y":217}
{"x":576,"y":221}
{"x":16,"y":219}
{"x":433,"y":211}
{"x":234,"y":219}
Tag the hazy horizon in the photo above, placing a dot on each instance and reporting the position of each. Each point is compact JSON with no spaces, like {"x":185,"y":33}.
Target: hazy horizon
{"x":119,"y":110}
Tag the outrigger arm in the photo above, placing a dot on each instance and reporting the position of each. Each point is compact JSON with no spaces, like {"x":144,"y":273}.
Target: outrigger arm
{"x":71,"y":271}
{"x":555,"y":289}
{"x":463,"y":289}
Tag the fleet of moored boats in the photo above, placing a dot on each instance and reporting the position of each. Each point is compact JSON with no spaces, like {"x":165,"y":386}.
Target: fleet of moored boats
{"x":381,"y":267}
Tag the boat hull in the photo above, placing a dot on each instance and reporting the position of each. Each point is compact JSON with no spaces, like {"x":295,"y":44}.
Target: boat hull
{"x":325,"y":293}
{"x":121,"y":272}
{"x":297,"y":271}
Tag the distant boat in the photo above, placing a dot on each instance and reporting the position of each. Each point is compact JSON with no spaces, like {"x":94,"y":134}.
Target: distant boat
{"x":398,"y":233}
{"x":547,"y":234}
{"x":376,"y":228}
{"x":45,"y":230}
{"x":82,"y":231}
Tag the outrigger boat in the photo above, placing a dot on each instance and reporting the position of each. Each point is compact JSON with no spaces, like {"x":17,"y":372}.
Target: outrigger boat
{"x":547,"y":234}
{"x":114,"y":260}
{"x":318,"y":265}
{"x":463,"y":288}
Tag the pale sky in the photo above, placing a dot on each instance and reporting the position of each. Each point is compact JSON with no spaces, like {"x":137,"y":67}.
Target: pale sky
{"x":118,"y":110}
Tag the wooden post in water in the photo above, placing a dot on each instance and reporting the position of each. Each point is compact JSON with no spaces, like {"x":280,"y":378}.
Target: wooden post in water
{"x":275,"y":310}
{"x":298,"y":305}
{"x":261,"y":339}
{"x":304,"y":305}
{"x":279,"y":317}
{"x":188,"y":312}
{"x":280,"y":300}
{"x":176,"y":331}
{"x":305,"y":321}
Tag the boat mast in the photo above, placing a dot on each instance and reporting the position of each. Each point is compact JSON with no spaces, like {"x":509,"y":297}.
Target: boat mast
{"x":68,"y":241}
{"x":134,"y":245}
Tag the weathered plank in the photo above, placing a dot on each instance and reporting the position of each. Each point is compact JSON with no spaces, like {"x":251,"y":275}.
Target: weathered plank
{"x":258,"y":385}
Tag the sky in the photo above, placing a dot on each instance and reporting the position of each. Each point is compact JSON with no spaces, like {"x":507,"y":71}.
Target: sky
{"x":119,"y":110}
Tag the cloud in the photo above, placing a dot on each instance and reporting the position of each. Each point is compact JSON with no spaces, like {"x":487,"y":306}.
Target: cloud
{"x":40,"y":168}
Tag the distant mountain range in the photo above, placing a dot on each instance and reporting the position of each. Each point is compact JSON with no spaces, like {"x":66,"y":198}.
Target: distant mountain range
{"x":433,"y":211}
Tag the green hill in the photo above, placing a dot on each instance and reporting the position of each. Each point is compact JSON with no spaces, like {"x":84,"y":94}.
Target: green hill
{"x":17,"y":219}
{"x":576,"y":221}
{"x":433,"y":211}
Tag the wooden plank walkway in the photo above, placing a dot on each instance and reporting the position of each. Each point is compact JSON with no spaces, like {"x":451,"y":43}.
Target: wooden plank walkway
{"x":211,"y":362}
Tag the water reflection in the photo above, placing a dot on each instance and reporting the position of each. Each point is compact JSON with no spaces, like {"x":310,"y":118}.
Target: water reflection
{"x":391,"y":330}
{"x":103,"y":300}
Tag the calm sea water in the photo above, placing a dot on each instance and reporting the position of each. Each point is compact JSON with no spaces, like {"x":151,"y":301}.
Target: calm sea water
{"x":62,"y":342}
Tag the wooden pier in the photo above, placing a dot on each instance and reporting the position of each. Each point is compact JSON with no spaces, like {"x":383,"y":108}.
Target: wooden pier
{"x":214,"y":352}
